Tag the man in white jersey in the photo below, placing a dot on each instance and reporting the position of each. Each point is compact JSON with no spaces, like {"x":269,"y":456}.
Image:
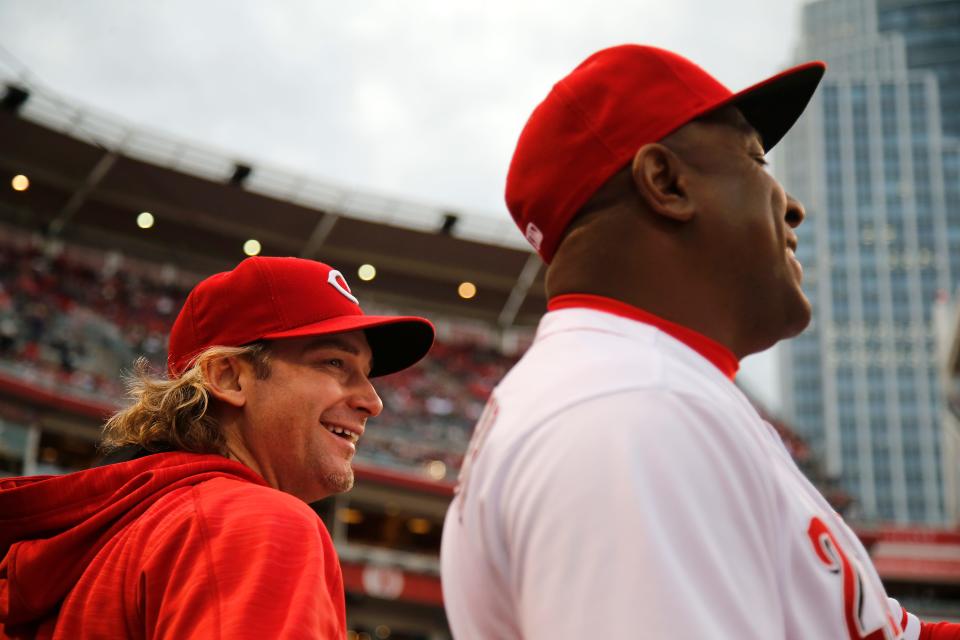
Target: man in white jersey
{"x":619,"y":484}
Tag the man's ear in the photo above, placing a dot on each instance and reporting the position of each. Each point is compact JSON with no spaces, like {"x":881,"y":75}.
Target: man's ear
{"x":223,"y":376}
{"x":661,"y":181}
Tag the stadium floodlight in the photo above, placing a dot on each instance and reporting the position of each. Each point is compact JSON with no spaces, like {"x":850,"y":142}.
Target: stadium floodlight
{"x":367,"y":272}
{"x":20,"y":182}
{"x":349,"y":515}
{"x":14,"y":98}
{"x":145,"y":220}
{"x":436,"y":469}
{"x":252,"y":247}
{"x":419,"y":526}
{"x":467,"y":290}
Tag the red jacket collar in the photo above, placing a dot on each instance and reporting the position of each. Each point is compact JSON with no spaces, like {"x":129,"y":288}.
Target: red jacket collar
{"x":719,"y":355}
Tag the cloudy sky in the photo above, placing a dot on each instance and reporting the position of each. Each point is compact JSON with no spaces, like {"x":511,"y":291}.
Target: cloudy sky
{"x":421,"y":99}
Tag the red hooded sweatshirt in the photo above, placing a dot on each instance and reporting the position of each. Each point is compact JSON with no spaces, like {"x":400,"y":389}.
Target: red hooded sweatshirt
{"x":172,"y":545}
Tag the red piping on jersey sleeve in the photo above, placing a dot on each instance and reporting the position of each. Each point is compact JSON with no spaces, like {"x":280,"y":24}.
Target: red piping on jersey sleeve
{"x":721,"y":357}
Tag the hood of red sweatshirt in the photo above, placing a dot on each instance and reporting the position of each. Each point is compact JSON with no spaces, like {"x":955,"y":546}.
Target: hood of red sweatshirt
{"x":51,"y":527}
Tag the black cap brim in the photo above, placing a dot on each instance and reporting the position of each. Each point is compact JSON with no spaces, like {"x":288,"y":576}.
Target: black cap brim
{"x":396,"y":342}
{"x":774,"y":105}
{"x":398,"y":345}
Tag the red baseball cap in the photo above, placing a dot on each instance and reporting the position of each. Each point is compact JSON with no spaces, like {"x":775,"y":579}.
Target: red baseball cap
{"x":272,"y":298}
{"x":594,"y":120}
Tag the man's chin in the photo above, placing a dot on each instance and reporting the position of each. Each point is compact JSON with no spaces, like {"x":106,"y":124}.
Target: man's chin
{"x":798,"y":317}
{"x":787,"y":320}
{"x":340,"y":481}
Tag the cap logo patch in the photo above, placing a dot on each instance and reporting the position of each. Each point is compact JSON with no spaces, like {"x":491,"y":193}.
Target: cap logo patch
{"x":534,"y":235}
{"x":338,"y":282}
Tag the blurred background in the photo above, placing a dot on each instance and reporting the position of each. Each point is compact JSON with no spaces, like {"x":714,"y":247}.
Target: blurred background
{"x":146,"y":146}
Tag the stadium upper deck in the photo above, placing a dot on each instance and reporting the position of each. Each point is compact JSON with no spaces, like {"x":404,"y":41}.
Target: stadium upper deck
{"x":91,"y":175}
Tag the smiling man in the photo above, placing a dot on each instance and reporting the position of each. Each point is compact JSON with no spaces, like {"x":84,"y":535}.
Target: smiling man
{"x":619,"y":484}
{"x":199,"y":525}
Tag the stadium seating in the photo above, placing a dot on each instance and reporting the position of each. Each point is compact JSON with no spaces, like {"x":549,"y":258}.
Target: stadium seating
{"x":74,"y":322}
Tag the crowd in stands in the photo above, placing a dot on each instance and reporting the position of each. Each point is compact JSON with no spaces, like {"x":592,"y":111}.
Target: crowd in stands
{"x":434,"y":405}
{"x":75,"y":322}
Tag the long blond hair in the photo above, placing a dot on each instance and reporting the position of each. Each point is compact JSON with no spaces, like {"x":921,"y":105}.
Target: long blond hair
{"x":175,"y":412}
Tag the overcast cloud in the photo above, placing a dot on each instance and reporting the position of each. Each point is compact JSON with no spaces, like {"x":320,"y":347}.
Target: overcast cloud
{"x":421,"y":99}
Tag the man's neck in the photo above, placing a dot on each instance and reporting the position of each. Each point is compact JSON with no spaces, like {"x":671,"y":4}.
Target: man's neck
{"x":715,"y":352}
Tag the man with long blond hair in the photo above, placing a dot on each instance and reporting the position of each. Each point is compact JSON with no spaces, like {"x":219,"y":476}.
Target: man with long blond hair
{"x":198,"y":525}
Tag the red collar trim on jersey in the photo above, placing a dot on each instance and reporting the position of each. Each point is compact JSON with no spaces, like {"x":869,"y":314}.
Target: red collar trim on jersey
{"x":721,"y":357}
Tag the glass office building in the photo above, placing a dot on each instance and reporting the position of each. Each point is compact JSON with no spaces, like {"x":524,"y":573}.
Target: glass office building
{"x":875,"y":160}
{"x":931,"y":33}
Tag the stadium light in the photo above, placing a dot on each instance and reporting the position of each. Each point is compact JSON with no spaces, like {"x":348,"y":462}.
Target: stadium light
{"x":467,"y":290}
{"x":350,"y":516}
{"x":20,"y":182}
{"x":367,"y":272}
{"x":419,"y":526}
{"x":252,"y":247}
{"x":436,"y":469}
{"x":145,"y":220}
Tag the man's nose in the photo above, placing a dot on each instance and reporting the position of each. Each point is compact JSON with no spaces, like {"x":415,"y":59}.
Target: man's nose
{"x":366,"y":399}
{"x":795,"y":212}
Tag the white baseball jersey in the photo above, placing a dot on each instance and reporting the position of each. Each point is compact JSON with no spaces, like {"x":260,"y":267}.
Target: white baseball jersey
{"x":620,"y":485}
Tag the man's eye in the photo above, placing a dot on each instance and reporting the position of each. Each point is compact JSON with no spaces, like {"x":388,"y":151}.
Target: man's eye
{"x":762,"y":160}
{"x":335,"y":362}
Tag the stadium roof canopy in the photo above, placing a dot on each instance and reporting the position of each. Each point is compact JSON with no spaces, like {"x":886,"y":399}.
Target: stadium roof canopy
{"x":91,"y":175}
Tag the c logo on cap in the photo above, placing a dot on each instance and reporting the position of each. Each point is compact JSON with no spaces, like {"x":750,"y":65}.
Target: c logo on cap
{"x":338,"y":282}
